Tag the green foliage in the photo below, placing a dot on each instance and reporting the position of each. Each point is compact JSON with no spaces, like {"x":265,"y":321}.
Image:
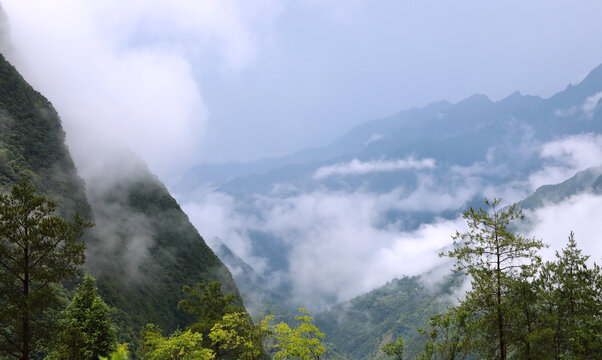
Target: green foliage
{"x":86,"y":329}
{"x":185,"y":345}
{"x":37,"y":251}
{"x":394,"y":349}
{"x":236,"y":336}
{"x":302,"y":342}
{"x":121,"y":353}
{"x":517,"y":308}
{"x":449,"y":336}
{"x":570,"y":307}
{"x":209,"y":304}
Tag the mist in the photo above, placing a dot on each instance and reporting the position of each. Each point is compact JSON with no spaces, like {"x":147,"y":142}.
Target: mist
{"x":343,"y":243}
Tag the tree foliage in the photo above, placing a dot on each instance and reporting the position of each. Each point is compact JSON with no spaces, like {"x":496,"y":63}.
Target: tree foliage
{"x":37,"y":251}
{"x":394,"y":349}
{"x":302,"y":342}
{"x":86,"y":330}
{"x":187,"y":345}
{"x":517,"y":307}
{"x":209,"y":304}
{"x":494,"y":257}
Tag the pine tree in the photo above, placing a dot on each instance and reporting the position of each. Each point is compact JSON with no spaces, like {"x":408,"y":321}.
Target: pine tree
{"x":37,"y":251}
{"x":493,"y":257}
{"x":571,"y":305}
{"x":86,"y":328}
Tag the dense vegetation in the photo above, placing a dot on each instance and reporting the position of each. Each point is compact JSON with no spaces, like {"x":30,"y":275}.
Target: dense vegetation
{"x":518,"y":308}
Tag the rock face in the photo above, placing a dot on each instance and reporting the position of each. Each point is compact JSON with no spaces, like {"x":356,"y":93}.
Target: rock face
{"x":143,"y":249}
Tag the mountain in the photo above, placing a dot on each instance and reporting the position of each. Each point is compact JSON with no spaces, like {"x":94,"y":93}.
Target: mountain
{"x":414,"y":168}
{"x":588,"y":180}
{"x":143,"y":249}
{"x":454,"y":134}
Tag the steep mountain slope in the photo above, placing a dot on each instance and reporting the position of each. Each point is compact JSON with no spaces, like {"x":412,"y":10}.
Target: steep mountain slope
{"x":32,"y":144}
{"x":588,"y":180}
{"x":143,"y":249}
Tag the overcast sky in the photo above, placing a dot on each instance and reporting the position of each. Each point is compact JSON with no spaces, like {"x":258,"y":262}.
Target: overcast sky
{"x":236,"y":80}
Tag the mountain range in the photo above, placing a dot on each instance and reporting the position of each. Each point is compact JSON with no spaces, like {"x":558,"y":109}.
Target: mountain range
{"x":428,"y":165}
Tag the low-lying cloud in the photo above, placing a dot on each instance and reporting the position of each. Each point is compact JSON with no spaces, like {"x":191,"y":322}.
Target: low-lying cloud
{"x":566,"y":156}
{"x":346,"y":242}
{"x":580,"y":214}
{"x":357,"y":167}
{"x":588,"y":107}
{"x":127,"y":74}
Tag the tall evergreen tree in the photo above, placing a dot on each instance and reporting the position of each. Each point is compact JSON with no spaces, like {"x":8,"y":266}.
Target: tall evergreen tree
{"x":493,"y":257}
{"x":571,"y":302}
{"x":86,"y":328}
{"x":37,"y":251}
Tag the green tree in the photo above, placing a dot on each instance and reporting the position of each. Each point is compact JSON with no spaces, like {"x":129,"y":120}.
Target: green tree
{"x":493,"y":257}
{"x":302,"y":342}
{"x":394,"y":349}
{"x":121,"y":353}
{"x":571,"y":306}
{"x":86,"y":328}
{"x":209,"y":304}
{"x":236,"y":336}
{"x":185,"y":345}
{"x":37,"y":251}
{"x":449,"y":336}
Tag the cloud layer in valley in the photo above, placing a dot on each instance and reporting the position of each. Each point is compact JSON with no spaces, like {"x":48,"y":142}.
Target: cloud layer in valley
{"x":357,"y":167}
{"x":344,"y":243}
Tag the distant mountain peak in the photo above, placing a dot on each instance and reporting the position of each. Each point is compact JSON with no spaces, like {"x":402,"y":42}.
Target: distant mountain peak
{"x":475,"y":100}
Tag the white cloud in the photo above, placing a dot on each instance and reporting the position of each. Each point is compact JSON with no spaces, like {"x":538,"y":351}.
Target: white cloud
{"x":124,"y":73}
{"x":357,"y":167}
{"x":565,"y":157}
{"x":342,"y":243}
{"x":218,"y":217}
{"x":580,"y":214}
{"x":588,"y":107}
{"x":590,"y":104}
{"x":374,"y":138}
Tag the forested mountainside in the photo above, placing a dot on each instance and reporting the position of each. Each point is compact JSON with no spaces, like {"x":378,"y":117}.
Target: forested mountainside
{"x":32,"y":144}
{"x":143,"y":249}
{"x":359,"y":327}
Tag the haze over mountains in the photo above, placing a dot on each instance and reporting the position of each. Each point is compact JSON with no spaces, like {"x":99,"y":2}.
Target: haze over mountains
{"x":380,"y":201}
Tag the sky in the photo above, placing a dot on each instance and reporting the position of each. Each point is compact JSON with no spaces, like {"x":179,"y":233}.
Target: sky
{"x":185,"y":81}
